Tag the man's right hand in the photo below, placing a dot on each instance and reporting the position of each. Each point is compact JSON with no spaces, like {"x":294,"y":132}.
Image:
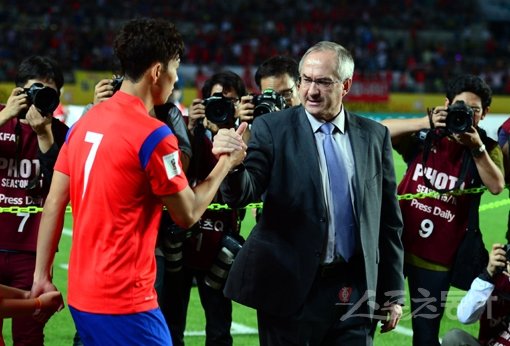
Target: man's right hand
{"x":497,"y":260}
{"x":103,"y":90}
{"x":16,"y":103}
{"x":245,"y":109}
{"x":196,"y":113}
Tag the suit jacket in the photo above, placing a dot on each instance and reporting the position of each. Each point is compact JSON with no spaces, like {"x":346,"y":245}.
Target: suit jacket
{"x":277,"y":265}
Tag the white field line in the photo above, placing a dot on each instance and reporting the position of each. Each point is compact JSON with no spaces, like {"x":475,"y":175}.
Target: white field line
{"x":235,"y":329}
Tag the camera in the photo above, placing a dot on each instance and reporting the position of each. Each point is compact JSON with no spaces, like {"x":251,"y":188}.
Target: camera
{"x":219,"y":109}
{"x":507,"y":250}
{"x":116,"y":83}
{"x":459,"y":118}
{"x":218,"y":272}
{"x":267,"y":102}
{"x":173,"y":244}
{"x":45,"y":99}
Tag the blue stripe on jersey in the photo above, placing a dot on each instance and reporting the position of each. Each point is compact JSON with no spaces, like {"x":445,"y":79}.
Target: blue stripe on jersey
{"x":151,"y":142}
{"x":69,"y":133}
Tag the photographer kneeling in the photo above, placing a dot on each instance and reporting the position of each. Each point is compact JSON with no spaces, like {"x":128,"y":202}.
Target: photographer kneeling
{"x":487,"y":301}
{"x":205,"y":252}
{"x":444,"y":151}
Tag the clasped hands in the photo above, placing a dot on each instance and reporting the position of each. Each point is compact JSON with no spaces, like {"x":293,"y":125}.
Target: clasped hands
{"x":51,"y":300}
{"x":229,"y":142}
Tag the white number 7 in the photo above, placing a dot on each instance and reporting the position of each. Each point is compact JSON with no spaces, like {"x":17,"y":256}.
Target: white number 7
{"x":94,"y":138}
{"x":25,"y":217}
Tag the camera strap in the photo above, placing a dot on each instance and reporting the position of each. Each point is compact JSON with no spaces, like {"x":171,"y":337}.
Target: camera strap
{"x":427,"y":147}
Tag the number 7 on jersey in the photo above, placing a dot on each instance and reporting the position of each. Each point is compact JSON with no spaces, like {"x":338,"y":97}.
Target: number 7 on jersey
{"x":94,"y":138}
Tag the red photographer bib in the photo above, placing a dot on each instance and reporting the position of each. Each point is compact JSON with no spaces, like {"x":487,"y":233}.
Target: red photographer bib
{"x":435,"y":226}
{"x":202,"y":249}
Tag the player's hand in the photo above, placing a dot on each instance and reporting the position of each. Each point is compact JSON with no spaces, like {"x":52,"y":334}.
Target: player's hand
{"x":228,"y":141}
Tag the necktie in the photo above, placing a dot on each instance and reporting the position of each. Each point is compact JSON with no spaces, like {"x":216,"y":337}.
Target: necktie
{"x":340,"y":193}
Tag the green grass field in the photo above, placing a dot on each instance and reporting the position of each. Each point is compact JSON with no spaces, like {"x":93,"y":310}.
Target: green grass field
{"x":60,"y":329}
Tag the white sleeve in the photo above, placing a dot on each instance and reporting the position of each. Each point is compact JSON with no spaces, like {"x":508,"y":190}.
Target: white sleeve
{"x":472,"y":305}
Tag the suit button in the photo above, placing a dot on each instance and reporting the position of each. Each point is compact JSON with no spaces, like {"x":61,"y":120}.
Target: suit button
{"x":322,"y":219}
{"x":317,"y":254}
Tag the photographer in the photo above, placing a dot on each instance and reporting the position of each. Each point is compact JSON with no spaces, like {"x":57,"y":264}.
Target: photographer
{"x":487,"y":301}
{"x":30,"y":139}
{"x":280,"y":74}
{"x":199,"y":254}
{"x":455,"y":154}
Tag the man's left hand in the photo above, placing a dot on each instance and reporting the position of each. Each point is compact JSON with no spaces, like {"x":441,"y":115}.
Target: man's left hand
{"x":40,"y":124}
{"x":394,"y":314}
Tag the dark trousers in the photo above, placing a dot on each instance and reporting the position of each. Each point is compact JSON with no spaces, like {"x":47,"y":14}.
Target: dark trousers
{"x":428,"y":290}
{"x":17,"y":270}
{"x":174,"y":300}
{"x":335,"y":313}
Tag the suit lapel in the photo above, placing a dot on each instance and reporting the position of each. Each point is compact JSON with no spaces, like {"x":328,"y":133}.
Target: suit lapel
{"x":307,"y":153}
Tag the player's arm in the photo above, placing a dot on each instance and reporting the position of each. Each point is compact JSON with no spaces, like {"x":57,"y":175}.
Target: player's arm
{"x":188,"y":205}
{"x":50,"y":230}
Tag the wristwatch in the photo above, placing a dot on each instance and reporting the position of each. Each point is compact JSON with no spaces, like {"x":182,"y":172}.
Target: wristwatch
{"x":478,"y":151}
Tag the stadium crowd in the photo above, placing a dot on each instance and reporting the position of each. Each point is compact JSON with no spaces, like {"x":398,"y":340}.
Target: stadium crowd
{"x":415,"y":45}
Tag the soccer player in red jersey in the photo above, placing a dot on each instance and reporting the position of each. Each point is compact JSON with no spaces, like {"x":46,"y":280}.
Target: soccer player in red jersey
{"x":118,"y":167}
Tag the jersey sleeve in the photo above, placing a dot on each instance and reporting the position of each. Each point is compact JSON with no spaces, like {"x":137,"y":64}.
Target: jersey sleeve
{"x":160,"y":159}
{"x":62,"y":164}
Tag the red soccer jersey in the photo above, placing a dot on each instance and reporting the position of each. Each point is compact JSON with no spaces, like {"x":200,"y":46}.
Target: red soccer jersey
{"x":119,"y":160}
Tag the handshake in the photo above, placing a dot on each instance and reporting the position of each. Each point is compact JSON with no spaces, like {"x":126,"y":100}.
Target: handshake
{"x":15,"y":302}
{"x":229,"y":143}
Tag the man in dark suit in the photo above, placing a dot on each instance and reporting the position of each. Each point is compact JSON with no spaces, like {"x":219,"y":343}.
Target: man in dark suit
{"x":309,"y":283}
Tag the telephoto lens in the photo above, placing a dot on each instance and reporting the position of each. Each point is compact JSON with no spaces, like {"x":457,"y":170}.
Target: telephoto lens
{"x":218,"y":272}
{"x":173,"y":255}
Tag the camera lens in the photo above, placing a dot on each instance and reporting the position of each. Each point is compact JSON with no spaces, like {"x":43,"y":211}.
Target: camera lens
{"x":219,"y":109}
{"x":218,"y":112}
{"x":263,"y":108}
{"x":459,"y":118}
{"x":46,"y":100}
{"x":173,"y":255}
{"x":218,"y":272}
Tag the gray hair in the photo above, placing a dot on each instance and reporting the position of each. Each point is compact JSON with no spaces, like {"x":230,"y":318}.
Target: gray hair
{"x":345,"y":62}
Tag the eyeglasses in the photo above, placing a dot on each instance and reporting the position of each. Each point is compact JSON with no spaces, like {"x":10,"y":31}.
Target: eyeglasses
{"x":288,"y":93}
{"x":321,"y":83}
